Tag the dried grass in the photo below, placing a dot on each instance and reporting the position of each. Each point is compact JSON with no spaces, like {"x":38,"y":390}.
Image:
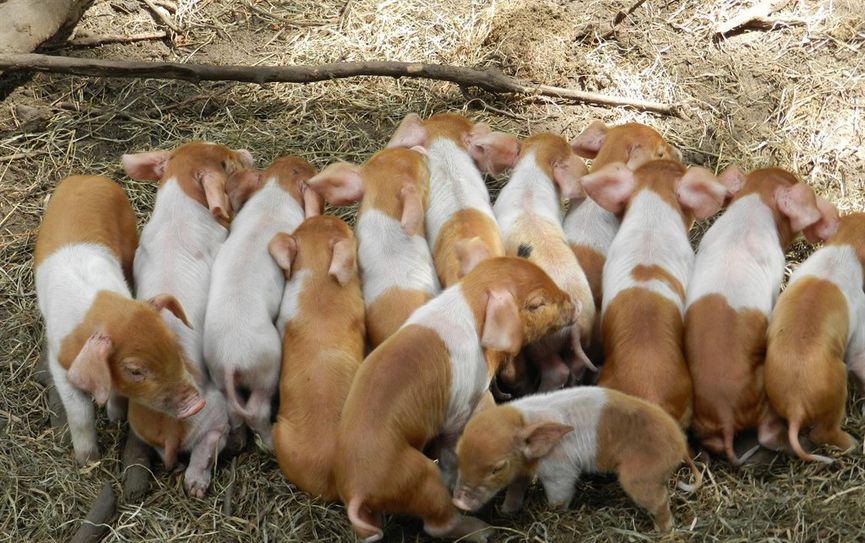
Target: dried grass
{"x":791,"y":96}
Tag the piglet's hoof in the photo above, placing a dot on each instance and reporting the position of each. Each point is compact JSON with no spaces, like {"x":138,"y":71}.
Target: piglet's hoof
{"x":511,"y":507}
{"x":196,"y":484}
{"x":87,"y":456}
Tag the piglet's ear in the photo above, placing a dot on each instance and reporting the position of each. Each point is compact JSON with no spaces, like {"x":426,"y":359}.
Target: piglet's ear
{"x":799,"y":204}
{"x":470,"y":252}
{"x":503,"y":329}
{"x":539,"y":439}
{"x":590,"y":140}
{"x":567,"y":175}
{"x":169,"y":302}
{"x":412,"y":210}
{"x":493,"y":152}
{"x":827,"y":226}
{"x":213,"y":183}
{"x":409,"y":133}
{"x":283,"y":249}
{"x":245,"y":158}
{"x":145,"y":166}
{"x":340,"y":184}
{"x":313,"y":204}
{"x":89,"y":370}
{"x":700,"y":192}
{"x":343,"y":262}
{"x":611,"y":187}
{"x":733,"y":179}
{"x":241,"y":186}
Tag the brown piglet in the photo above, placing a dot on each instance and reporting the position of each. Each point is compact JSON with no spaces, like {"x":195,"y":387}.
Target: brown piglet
{"x":322,"y":318}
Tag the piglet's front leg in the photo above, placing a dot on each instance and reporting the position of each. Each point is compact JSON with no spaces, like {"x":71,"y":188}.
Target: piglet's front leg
{"x":196,"y":480}
{"x":516,"y":495}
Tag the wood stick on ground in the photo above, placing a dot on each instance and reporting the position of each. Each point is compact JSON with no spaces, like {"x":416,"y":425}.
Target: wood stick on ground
{"x":489,"y":80}
{"x":102,"y":39}
{"x":757,"y":12}
{"x":95,"y":525}
{"x":162,"y":17}
{"x":621,"y":16}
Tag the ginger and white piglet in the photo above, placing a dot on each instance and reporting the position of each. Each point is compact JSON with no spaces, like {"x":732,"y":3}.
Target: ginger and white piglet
{"x":646,"y":273}
{"x":528,"y":210}
{"x":817,"y":325}
{"x":242,"y":344}
{"x":560,"y":435}
{"x":394,"y":259}
{"x":588,"y":227}
{"x":460,"y":226}
{"x":423,"y":383}
{"x":101,"y":343}
{"x":178,"y":246}
{"x":323,"y":344}
{"x":737,"y":277}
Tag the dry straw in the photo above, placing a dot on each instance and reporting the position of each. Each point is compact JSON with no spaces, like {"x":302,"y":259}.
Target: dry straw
{"x":789,"y":96}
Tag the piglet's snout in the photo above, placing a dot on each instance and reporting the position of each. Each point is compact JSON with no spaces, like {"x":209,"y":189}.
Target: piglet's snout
{"x":464,"y":500}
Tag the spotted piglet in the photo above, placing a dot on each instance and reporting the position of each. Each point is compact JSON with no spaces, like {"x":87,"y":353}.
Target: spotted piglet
{"x":460,"y":226}
{"x":646,"y":273}
{"x":242,"y":347}
{"x":560,"y":435}
{"x":529,"y":214}
{"x":178,"y":246}
{"x":737,"y":277}
{"x":393,"y":255}
{"x":423,"y":383}
{"x":817,"y":325}
{"x":322,"y":318}
{"x":101,"y":343}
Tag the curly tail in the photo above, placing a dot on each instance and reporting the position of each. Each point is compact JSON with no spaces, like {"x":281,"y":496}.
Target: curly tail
{"x":364,"y":527}
{"x":793,"y":437}
{"x":734,"y":460}
{"x":233,"y":397}
{"x":698,"y":476}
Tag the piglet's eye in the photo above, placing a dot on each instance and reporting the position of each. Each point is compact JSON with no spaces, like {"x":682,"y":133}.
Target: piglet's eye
{"x":498,"y":468}
{"x":535,"y":305}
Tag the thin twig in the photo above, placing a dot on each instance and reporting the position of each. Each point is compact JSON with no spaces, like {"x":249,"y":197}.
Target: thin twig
{"x":102,"y":39}
{"x":621,"y":16}
{"x":162,"y":17}
{"x":489,"y":80}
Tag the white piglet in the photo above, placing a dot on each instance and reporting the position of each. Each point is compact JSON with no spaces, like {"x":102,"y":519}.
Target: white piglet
{"x":242,"y":346}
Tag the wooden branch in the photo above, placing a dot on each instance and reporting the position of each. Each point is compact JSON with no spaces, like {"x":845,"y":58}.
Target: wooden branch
{"x":757,"y":15}
{"x":489,"y":80}
{"x":103,"y":39}
{"x":161,"y":16}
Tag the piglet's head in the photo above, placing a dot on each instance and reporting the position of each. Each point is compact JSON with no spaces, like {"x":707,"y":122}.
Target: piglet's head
{"x":493,"y":152}
{"x":321,"y":244}
{"x":515,"y":303}
{"x":292,"y":174}
{"x":693,"y":192}
{"x":201,"y":170}
{"x":124,"y":346}
{"x":496,"y":447}
{"x":555,"y":157}
{"x":633,"y":144}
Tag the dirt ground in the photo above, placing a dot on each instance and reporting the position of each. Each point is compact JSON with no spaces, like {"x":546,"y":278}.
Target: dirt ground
{"x":792,"y":95}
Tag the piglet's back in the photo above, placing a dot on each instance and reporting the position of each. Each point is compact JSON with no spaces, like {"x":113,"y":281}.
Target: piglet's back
{"x":89,"y":209}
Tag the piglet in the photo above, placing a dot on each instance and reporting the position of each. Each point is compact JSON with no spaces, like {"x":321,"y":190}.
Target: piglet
{"x":323,"y":344}
{"x":817,"y":324}
{"x":646,"y":274}
{"x":588,"y":227}
{"x":737,"y":277}
{"x":529,"y":214}
{"x":393,"y":255}
{"x":559,"y":435}
{"x":178,"y":246}
{"x":460,"y":226}
{"x":423,"y":383}
{"x":242,"y":347}
{"x":101,"y":343}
